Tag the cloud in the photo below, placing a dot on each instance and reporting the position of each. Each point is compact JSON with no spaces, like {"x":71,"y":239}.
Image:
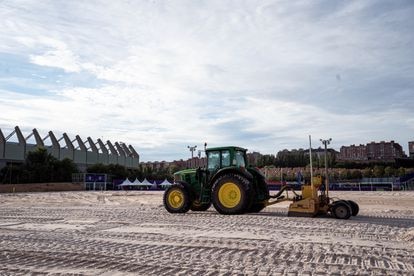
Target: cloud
{"x":162,"y":75}
{"x":59,"y":56}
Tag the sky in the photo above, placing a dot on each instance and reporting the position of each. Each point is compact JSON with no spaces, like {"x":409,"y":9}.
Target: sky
{"x":163,"y":75}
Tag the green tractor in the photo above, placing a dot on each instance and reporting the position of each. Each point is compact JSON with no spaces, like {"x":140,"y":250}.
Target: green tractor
{"x":233,"y":187}
{"x":227,"y":182}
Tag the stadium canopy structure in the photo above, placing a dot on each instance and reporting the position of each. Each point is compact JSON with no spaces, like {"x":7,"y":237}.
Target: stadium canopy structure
{"x":86,"y":152}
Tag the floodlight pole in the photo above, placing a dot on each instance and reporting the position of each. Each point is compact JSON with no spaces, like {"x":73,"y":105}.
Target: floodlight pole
{"x":192,"y":149}
{"x":326,"y":143}
{"x":310,"y":161}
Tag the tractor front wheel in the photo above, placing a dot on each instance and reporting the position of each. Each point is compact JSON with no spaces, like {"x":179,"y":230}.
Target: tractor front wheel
{"x":341,"y":210}
{"x":231,"y":194}
{"x":177,"y":199}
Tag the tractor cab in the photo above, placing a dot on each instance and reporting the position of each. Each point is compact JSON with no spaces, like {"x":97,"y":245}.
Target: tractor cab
{"x":223,"y":157}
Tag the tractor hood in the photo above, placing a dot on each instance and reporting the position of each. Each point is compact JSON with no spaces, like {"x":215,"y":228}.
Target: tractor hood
{"x":185,"y":175}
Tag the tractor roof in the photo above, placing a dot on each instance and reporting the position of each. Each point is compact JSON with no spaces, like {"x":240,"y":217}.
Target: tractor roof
{"x":226,"y":148}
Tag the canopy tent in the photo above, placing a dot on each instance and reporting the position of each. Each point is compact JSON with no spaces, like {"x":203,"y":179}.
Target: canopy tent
{"x":126,"y":182}
{"x":165,"y":184}
{"x":146,"y":184}
{"x":136,"y":182}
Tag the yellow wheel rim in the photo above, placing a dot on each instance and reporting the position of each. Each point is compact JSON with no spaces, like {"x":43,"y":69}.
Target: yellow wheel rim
{"x":176,"y":199}
{"x":229,"y":195}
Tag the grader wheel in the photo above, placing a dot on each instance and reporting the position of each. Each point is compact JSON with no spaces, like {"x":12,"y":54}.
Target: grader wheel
{"x":231,"y":194}
{"x":354,"y":207}
{"x":341,"y":210}
{"x":177,"y":199}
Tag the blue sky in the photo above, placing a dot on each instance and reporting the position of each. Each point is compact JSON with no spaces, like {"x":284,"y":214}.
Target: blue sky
{"x":161,"y":75}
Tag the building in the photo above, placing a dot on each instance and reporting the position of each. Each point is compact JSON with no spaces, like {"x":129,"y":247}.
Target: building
{"x":411,"y":149}
{"x":353,"y":153}
{"x":384,"y":151}
{"x":196,"y":162}
{"x":82,"y":153}
{"x":373,"y":151}
{"x":253,"y":158}
{"x":191,"y":163}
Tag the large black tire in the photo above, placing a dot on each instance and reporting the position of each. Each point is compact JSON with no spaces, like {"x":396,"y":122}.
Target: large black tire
{"x":263,"y":190}
{"x":341,"y":210}
{"x":177,"y":199}
{"x":354,"y":207}
{"x":231,"y":194}
{"x":197,"y":206}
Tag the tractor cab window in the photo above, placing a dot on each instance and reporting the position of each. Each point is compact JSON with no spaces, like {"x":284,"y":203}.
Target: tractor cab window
{"x":239,"y":159}
{"x":213,"y":160}
{"x":225,"y":158}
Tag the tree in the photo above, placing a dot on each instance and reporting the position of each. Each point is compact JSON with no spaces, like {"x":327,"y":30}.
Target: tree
{"x":367,"y":172}
{"x":98,"y":168}
{"x":378,"y":171}
{"x":40,"y":166}
{"x":62,"y":171}
{"x":389,"y":171}
{"x":12,"y":173}
{"x":401,"y":171}
{"x":356,"y":174}
{"x":117,"y":171}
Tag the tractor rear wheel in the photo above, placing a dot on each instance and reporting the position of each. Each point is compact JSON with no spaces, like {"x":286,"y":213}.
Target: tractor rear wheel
{"x":197,"y":206}
{"x":231,"y":194}
{"x":341,"y":210}
{"x":354,"y":207}
{"x":177,"y":199}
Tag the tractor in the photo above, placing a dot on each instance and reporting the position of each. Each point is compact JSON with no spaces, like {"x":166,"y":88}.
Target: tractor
{"x":234,"y":187}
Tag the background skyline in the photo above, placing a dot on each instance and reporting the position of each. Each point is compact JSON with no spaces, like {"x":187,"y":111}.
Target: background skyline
{"x":163,"y":75}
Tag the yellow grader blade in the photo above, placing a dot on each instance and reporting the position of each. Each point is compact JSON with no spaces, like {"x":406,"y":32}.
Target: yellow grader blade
{"x":307,"y":207}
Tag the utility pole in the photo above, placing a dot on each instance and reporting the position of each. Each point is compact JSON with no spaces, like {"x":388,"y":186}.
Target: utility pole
{"x":192,"y":149}
{"x":326,"y":143}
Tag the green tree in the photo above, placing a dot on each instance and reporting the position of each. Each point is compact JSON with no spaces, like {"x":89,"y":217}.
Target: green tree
{"x":117,"y":171}
{"x":62,"y":171}
{"x":40,"y":166}
{"x":378,"y":171}
{"x":356,"y":174}
{"x":367,"y":172}
{"x":98,"y":168}
{"x":401,"y":171}
{"x":12,"y":173}
{"x":389,"y":171}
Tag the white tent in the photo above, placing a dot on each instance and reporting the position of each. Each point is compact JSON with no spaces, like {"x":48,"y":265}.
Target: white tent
{"x":165,"y":184}
{"x":126,"y":183}
{"x":145,"y":183}
{"x":136,"y":182}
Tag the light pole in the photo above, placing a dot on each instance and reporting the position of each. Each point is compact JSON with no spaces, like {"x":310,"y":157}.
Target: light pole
{"x":192,"y":149}
{"x":326,"y":143}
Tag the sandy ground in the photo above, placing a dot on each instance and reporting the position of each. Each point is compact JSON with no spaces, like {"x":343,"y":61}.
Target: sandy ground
{"x":130,"y":233}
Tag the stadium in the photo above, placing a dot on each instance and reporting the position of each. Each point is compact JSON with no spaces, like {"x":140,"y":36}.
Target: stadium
{"x":83,"y":153}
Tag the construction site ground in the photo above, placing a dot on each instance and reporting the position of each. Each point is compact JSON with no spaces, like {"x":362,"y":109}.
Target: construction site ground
{"x":130,"y":233}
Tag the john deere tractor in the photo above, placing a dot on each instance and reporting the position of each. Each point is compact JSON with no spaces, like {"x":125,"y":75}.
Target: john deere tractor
{"x":233,"y":187}
{"x":227,"y":183}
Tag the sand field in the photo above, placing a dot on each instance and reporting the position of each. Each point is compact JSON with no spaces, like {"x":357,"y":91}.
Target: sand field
{"x":130,"y":233}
